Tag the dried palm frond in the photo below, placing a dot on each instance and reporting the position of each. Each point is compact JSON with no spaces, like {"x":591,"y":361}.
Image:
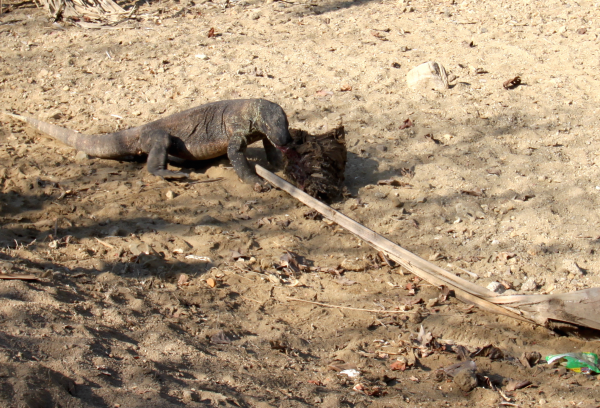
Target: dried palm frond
{"x":86,"y":12}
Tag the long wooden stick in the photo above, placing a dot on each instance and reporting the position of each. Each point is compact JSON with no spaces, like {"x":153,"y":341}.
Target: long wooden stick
{"x":464,"y":290}
{"x":579,"y":308}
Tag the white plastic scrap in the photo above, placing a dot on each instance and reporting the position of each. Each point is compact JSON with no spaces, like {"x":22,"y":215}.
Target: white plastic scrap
{"x":352,"y":373}
{"x":198,"y":258}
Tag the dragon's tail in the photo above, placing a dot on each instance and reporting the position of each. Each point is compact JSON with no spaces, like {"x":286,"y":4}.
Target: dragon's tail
{"x":67,"y":136}
{"x":109,"y":146}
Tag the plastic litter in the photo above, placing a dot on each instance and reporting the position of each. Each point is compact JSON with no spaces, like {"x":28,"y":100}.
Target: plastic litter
{"x":351,"y":373}
{"x":585,"y":363}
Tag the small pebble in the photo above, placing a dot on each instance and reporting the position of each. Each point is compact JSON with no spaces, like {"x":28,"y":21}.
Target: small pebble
{"x":139,"y":248}
{"x":466,"y":380}
{"x":202,"y":56}
{"x":81,"y":157}
{"x":170,"y":195}
{"x":529,"y":285}
{"x":496,"y":287}
{"x":572,"y":267}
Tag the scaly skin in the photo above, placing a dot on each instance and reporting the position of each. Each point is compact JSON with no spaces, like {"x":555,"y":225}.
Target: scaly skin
{"x":200,"y":133}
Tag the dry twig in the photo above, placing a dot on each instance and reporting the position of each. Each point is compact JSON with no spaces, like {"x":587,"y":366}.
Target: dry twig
{"x":350,"y":308}
{"x":106,"y":244}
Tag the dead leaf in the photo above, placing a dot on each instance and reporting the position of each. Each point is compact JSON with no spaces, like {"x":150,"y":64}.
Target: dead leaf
{"x":340,"y":366}
{"x":396,"y":65}
{"x":183,"y":280}
{"x":512,"y":83}
{"x":379,"y":36}
{"x":284,"y":222}
{"x":291,"y":261}
{"x":462,"y":352}
{"x":406,"y":124}
{"x":424,"y":338}
{"x":342,"y":280}
{"x":398,"y":365}
{"x":458,"y":367}
{"x":525,"y":197}
{"x":279,"y":345}
{"x":407,"y":172}
{"x":436,"y":256}
{"x":410,"y":301}
{"x":429,"y":136}
{"x":324,"y":92}
{"x":264,"y":221}
{"x":517,"y":385}
{"x":383,"y":257}
{"x":477,"y":192}
{"x":374,"y":391}
{"x":530,"y":358}
{"x":393,"y":182}
{"x":220,"y":338}
{"x":492,"y":352}
{"x":313,"y":215}
{"x":346,"y":88}
{"x":444,"y":293}
{"x":235,"y":255}
{"x":211,"y":32}
{"x":505,"y":256}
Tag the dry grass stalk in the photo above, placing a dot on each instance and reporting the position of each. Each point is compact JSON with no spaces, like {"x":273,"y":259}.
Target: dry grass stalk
{"x":350,"y":308}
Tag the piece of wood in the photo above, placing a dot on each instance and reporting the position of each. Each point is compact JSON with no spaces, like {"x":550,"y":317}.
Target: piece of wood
{"x":576,"y":308}
{"x":425,"y":270}
{"x":18,"y":276}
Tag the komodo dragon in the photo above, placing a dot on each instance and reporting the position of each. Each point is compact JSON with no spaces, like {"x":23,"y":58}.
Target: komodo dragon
{"x":200,"y":133}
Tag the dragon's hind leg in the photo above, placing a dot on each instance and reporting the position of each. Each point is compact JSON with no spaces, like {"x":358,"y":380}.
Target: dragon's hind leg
{"x":157,"y":143}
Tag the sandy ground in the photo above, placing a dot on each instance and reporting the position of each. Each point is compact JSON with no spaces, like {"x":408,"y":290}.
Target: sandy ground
{"x":502,"y":183}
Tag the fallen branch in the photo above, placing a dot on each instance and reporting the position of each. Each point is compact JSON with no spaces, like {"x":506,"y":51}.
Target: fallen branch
{"x":350,"y":308}
{"x":577,"y":308}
